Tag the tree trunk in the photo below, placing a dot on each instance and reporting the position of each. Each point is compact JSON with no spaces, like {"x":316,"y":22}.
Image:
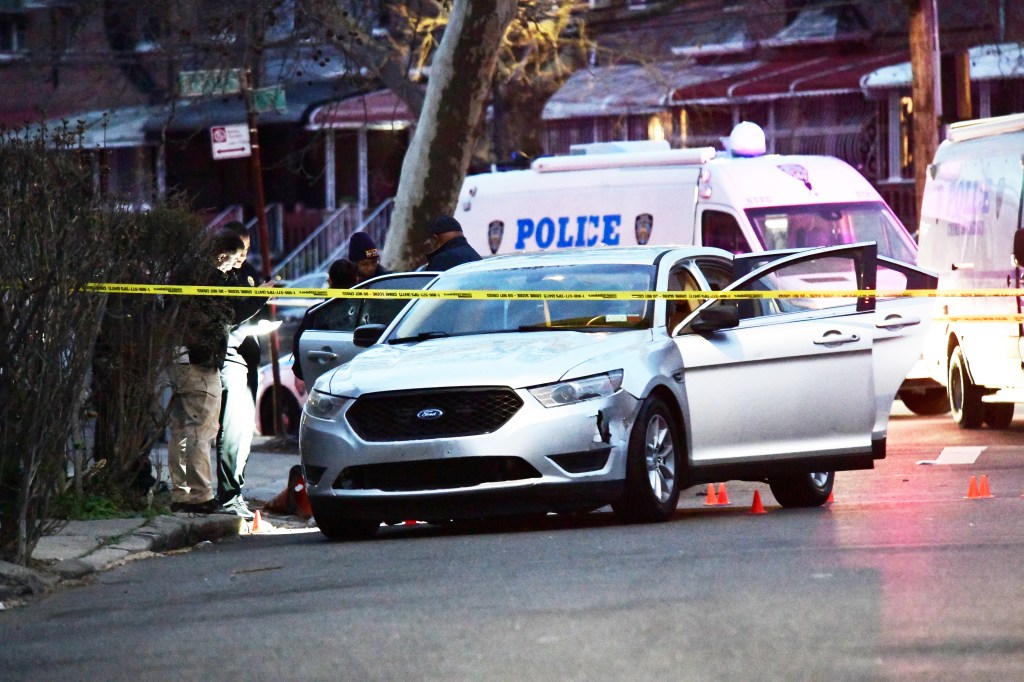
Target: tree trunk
{"x":441,"y":147}
{"x":925,"y":91}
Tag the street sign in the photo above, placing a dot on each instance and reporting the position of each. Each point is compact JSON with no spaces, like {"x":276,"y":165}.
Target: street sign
{"x":230,"y":142}
{"x":210,"y":82}
{"x":269,"y":99}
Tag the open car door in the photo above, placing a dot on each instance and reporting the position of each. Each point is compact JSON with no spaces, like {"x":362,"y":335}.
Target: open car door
{"x":327,"y":341}
{"x":797,"y":379}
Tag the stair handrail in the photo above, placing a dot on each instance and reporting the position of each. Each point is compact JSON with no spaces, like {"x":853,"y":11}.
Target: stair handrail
{"x":372,"y":225}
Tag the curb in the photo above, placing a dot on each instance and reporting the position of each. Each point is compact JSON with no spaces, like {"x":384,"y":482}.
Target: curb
{"x":161,"y":534}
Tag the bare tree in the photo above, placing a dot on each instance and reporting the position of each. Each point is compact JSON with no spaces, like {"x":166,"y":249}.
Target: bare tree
{"x":438,"y":157}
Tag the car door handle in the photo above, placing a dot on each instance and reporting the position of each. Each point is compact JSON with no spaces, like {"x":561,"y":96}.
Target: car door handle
{"x":897,"y":321}
{"x":321,"y":355}
{"x":834,"y":338}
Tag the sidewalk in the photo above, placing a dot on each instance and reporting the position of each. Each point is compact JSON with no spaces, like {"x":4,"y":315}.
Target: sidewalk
{"x":84,"y":547}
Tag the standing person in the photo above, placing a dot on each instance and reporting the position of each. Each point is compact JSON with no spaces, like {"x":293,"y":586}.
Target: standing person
{"x":364,"y":253}
{"x":448,"y":245}
{"x":195,"y":374}
{"x":238,"y":384}
{"x":343,"y":274}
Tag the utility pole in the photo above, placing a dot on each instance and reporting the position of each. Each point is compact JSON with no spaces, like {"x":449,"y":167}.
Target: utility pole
{"x":926,"y":90}
{"x":261,"y":220}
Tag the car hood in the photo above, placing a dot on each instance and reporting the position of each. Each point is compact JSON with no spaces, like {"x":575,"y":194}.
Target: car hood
{"x":514,"y":359}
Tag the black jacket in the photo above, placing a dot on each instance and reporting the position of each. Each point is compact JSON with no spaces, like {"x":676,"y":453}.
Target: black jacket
{"x":242,"y":349}
{"x":205,"y":321}
{"x":453,"y":252}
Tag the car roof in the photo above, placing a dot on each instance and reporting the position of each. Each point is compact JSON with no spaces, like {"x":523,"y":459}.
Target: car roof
{"x":628,"y":255}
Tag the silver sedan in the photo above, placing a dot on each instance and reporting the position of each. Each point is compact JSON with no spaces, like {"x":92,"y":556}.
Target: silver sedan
{"x":532,"y":403}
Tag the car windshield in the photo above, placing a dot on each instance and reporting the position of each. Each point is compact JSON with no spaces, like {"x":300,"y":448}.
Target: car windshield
{"x":789,"y":227}
{"x":431,"y":318}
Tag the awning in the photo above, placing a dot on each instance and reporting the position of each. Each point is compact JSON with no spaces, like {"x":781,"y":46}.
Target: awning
{"x":200,"y":113}
{"x":988,"y":62}
{"x":110,"y":128}
{"x":372,"y":110}
{"x":630,"y":89}
{"x":786,"y":78}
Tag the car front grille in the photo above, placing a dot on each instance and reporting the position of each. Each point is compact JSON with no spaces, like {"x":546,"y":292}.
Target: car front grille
{"x":434,"y":474}
{"x":419,"y":415}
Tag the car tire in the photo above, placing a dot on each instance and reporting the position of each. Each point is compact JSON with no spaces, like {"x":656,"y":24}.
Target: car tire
{"x":345,"y":529}
{"x":291,"y":413}
{"x":964,"y":397}
{"x":999,"y":415}
{"x":805,"y":489}
{"x":927,"y":403}
{"x":653,"y":466}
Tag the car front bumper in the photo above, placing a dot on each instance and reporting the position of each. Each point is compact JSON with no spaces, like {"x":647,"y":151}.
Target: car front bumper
{"x":542,"y":459}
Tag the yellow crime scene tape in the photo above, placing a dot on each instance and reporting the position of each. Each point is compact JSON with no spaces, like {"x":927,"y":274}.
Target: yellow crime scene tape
{"x":172,"y":290}
{"x":550,"y":295}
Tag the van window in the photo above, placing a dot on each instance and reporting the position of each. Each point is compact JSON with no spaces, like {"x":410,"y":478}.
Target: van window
{"x":722,"y":231}
{"x":795,"y":227}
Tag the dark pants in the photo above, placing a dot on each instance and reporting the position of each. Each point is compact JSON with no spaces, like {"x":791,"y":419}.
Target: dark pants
{"x":234,"y":440}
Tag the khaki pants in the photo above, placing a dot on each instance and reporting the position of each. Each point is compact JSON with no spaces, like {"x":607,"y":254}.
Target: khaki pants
{"x":194,"y":408}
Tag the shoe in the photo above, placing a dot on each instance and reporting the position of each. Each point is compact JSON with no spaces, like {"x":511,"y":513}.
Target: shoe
{"x":237,"y":507}
{"x":208,"y":507}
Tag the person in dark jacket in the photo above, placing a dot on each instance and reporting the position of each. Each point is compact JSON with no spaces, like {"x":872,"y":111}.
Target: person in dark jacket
{"x":448,"y":245}
{"x":364,"y":253}
{"x":238,"y":385}
{"x":195,"y":374}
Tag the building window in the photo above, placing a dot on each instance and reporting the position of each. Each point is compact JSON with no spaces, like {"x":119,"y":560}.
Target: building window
{"x":12,"y":33}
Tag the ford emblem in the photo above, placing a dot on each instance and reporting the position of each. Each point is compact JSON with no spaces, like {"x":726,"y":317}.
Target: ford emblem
{"x":429,"y":413}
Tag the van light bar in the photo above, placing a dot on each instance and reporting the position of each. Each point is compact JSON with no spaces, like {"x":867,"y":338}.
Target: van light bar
{"x":671,"y":157}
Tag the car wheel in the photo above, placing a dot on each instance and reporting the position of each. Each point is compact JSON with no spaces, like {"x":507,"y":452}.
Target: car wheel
{"x":999,"y":415}
{"x":652,"y":466}
{"x":964,"y":397}
{"x":806,"y":489}
{"x":291,"y":413}
{"x":927,"y":403}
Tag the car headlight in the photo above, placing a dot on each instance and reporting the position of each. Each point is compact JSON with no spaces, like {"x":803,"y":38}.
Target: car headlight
{"x":576,"y":390}
{"x":324,"y":405}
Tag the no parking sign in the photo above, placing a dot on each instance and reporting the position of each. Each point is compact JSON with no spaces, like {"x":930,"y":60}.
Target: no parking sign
{"x":230,"y":142}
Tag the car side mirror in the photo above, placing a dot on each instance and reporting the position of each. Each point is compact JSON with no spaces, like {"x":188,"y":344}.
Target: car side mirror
{"x":715,"y":318}
{"x":1018,"y":248}
{"x":368,"y":334}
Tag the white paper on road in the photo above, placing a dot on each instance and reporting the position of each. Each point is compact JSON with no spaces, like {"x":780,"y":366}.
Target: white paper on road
{"x":962,"y":454}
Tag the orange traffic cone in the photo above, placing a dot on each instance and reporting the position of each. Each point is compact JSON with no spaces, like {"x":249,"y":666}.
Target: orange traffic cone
{"x":723,"y":495}
{"x":831,"y":498}
{"x":302,"y":506}
{"x":256,"y":521}
{"x":972,"y":489}
{"x":711,"y":495}
{"x":757,"y":507}
{"x":983,"y":491}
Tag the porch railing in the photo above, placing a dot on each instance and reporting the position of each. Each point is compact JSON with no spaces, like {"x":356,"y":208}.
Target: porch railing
{"x":275,"y":232}
{"x":315,"y":249}
{"x":376,"y":225}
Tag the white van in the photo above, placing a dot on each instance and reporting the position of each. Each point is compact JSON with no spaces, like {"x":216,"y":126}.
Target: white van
{"x":744,"y":201}
{"x":970,"y":215}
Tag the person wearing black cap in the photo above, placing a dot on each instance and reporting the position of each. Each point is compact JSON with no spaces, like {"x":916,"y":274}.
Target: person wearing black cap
{"x":364,"y":253}
{"x":448,"y":245}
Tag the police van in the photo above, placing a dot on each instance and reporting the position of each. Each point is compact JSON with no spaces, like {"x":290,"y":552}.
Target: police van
{"x":629,"y":193}
{"x":972,"y":217}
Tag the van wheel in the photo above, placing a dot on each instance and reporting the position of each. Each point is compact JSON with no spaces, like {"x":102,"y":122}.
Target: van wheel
{"x":964,"y":397}
{"x":999,"y":415}
{"x":926,"y":403}
{"x":652,"y":466}
{"x":807,"y":489}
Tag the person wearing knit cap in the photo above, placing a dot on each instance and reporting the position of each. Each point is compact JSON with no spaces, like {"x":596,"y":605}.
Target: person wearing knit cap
{"x":364,"y":253}
{"x":448,"y":246}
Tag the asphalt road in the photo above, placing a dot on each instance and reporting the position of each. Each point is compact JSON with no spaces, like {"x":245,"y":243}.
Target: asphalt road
{"x":901,"y":578}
